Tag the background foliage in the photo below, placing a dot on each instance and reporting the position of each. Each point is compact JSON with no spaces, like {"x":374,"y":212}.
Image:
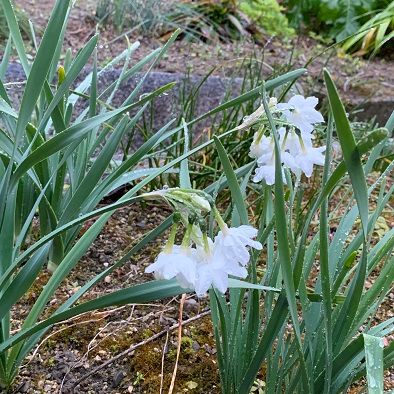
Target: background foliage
{"x":336,"y":20}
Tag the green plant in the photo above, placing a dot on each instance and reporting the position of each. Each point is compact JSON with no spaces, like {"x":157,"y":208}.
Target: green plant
{"x":201,"y":20}
{"x":267,"y":14}
{"x":205,"y":166}
{"x":338,"y":18}
{"x":56,"y":165}
{"x":374,"y":34}
{"x":311,"y":333}
{"x":324,"y":350}
{"x":48,"y":166}
{"x":149,"y":16}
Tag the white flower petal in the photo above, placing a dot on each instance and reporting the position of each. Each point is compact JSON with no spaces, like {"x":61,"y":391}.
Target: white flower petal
{"x":220,"y":281}
{"x":302,"y":112}
{"x":234,"y":243}
{"x":309,"y":157}
{"x":179,"y":263}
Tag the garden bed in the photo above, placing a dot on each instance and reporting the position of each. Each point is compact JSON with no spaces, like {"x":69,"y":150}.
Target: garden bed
{"x":124,"y":349}
{"x":133,"y":348}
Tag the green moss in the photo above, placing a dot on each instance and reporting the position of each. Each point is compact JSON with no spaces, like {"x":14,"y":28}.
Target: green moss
{"x":75,"y":337}
{"x":147,"y":333}
{"x":50,"y":362}
{"x":195,"y":364}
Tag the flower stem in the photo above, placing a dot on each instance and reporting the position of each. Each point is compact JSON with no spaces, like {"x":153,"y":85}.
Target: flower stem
{"x":171,"y":238}
{"x":205,"y":242}
{"x":220,"y":221}
{"x":186,"y":238}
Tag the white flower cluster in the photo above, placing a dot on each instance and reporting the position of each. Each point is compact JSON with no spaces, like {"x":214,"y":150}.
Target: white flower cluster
{"x":200,"y":262}
{"x":297,"y":151}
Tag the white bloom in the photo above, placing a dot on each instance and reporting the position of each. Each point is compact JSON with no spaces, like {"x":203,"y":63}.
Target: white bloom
{"x":213,"y":269}
{"x":210,"y":271}
{"x":261,"y":145}
{"x":266,"y":172}
{"x":290,"y":145}
{"x":266,"y":169}
{"x":309,"y":156}
{"x":291,"y":142}
{"x":178,"y":262}
{"x":233,"y":243}
{"x":209,"y":275}
{"x":290,"y":162}
{"x":301,"y":112}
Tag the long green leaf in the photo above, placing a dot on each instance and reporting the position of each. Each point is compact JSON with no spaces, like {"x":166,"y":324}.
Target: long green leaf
{"x":15,"y":34}
{"x":75,"y":133}
{"x":41,"y":66}
{"x":351,"y":152}
{"x":233,"y":184}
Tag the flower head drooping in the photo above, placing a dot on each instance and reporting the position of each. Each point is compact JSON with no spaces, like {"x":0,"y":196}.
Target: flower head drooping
{"x":234,"y":241}
{"x":301,"y":112}
{"x":261,"y":145}
{"x":308,"y":157}
{"x":210,"y":269}
{"x":209,"y":263}
{"x":175,"y":261}
{"x":265,"y":170}
{"x":296,"y":149}
{"x":176,"y":264}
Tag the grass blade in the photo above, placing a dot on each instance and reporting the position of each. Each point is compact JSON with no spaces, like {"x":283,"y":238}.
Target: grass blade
{"x":232,"y":181}
{"x":374,"y":363}
{"x":351,"y":152}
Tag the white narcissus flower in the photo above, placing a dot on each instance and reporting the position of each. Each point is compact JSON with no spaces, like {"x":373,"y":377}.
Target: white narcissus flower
{"x":208,"y":274}
{"x":301,"y":112}
{"x":208,"y":265}
{"x":290,"y":141}
{"x":266,"y":169}
{"x":213,"y":269}
{"x":266,"y":173}
{"x":261,"y":145}
{"x":308,"y":156}
{"x":233,"y":243}
{"x":176,"y":262}
{"x":210,"y":271}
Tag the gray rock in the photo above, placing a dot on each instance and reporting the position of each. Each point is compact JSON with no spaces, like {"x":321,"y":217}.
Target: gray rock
{"x":168,"y":106}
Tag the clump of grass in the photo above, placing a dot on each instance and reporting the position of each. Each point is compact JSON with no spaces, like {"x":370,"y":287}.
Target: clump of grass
{"x":201,"y":20}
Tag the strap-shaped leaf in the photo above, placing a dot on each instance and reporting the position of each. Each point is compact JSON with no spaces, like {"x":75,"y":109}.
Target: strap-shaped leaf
{"x":41,"y":65}
{"x":374,"y":363}
{"x":351,"y":152}
{"x":232,"y":181}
